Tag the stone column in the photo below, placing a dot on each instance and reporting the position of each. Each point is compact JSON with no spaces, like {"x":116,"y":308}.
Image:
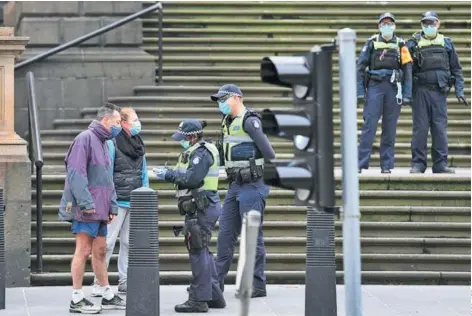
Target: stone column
{"x":15,"y":172}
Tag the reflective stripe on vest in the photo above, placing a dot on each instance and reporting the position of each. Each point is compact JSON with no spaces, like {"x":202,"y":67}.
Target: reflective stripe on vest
{"x":382,"y":45}
{"x":235,"y":136}
{"x":437,"y":41}
{"x":210,"y":182}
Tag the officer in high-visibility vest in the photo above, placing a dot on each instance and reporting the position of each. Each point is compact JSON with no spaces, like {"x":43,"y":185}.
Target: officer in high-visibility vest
{"x":196,"y":180}
{"x":244,"y":148}
{"x":436,"y":69}
{"x":385,"y":87}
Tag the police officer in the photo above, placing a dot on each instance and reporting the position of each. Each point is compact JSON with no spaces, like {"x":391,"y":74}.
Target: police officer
{"x":436,"y":69}
{"x":388,"y":84}
{"x":196,"y":179}
{"x":244,"y":148}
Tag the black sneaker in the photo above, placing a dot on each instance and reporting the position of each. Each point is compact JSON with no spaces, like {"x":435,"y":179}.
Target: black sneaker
{"x":116,"y":302}
{"x":386,"y":171}
{"x":192,"y":307}
{"x":84,"y":307}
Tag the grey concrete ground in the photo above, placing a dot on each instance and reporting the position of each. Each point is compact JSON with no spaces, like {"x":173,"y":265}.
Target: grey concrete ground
{"x":282,"y":300}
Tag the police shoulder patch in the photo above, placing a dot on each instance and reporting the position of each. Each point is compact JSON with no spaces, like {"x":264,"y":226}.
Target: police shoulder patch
{"x":256,"y":124}
{"x":196,"y":160}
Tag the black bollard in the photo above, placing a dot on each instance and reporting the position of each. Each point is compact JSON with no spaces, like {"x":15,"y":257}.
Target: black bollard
{"x":143,"y":265}
{"x":2,"y":250}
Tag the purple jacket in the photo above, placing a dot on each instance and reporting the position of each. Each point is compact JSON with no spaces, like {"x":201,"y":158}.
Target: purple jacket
{"x":89,"y":180}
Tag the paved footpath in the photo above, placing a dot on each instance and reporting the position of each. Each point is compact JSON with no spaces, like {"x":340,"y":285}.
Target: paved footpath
{"x":283,"y":300}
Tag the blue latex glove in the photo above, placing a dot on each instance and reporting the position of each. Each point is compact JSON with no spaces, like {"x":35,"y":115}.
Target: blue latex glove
{"x":160,"y":173}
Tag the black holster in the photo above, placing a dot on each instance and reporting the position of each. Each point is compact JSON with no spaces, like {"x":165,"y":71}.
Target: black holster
{"x":245,"y":175}
{"x":195,"y":237}
{"x":190,"y":205}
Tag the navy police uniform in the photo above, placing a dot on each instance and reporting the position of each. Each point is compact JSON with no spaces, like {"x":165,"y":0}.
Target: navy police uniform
{"x":196,"y":180}
{"x":244,"y":148}
{"x":436,"y":69}
{"x":388,"y":84}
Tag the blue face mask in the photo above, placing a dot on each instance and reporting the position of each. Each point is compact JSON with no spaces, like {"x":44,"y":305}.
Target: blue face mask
{"x":115,"y":130}
{"x":430,"y":30}
{"x":136,"y":129}
{"x":185,"y":143}
{"x":224,"y":107}
{"x":387,"y":30}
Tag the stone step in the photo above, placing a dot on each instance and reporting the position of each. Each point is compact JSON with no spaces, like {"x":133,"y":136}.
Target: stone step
{"x":252,"y":51}
{"x":153,"y":147}
{"x":363,"y":34}
{"x":298,"y":213}
{"x":173,"y":53}
{"x":280,"y":42}
{"x":280,"y":261}
{"x":204,"y":101}
{"x":451,"y":6}
{"x":52,"y":195}
{"x":172,"y":245}
{"x":369,"y":181}
{"x":310,"y":12}
{"x":401,"y":160}
{"x":304,"y":25}
{"x":170,"y":123}
{"x":217,"y":58}
{"x":298,"y":229}
{"x":278,"y":277}
{"x":207,"y":90}
{"x":403,"y":136}
{"x":237,"y":70}
{"x":213,"y":112}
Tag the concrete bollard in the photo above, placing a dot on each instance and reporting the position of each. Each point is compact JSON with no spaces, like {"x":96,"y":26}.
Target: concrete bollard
{"x":143,"y":266}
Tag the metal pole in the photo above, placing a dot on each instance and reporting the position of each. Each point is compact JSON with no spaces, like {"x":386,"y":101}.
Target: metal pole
{"x":81,"y":39}
{"x":2,"y":250}
{"x":320,"y":276}
{"x":247,"y":258}
{"x":39,"y":218}
{"x":160,"y":44}
{"x":351,"y":226}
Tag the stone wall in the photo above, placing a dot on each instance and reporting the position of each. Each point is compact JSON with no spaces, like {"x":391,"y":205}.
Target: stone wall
{"x":84,"y":76}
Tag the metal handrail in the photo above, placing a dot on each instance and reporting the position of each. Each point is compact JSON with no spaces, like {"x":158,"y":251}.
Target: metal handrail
{"x":35,"y":152}
{"x":100,"y":31}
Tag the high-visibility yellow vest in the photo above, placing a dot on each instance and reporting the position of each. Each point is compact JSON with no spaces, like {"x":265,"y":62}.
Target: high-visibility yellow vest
{"x":210,"y":182}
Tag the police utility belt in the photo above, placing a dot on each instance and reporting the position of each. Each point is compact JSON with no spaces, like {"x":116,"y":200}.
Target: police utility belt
{"x":194,"y":201}
{"x":242,"y":175}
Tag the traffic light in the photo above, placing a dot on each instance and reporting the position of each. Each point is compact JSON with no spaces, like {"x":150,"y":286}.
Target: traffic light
{"x":310,"y":77}
{"x":311,"y":173}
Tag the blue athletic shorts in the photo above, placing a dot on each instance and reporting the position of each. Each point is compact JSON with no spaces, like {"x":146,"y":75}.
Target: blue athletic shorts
{"x":91,"y":229}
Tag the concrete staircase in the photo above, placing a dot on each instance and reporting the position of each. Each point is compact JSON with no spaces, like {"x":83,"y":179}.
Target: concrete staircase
{"x":415,"y":229}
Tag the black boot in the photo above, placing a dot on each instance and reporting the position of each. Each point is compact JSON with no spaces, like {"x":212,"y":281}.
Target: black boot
{"x":255,"y":293}
{"x":191,"y":307}
{"x":445,"y":170}
{"x":385,"y":171}
{"x":416,"y":170}
{"x":221,"y":303}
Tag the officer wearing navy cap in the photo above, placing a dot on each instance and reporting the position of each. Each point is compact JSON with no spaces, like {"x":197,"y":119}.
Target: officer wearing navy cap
{"x":244,"y":148}
{"x":436,"y":69}
{"x":196,"y":179}
{"x":384,"y":88}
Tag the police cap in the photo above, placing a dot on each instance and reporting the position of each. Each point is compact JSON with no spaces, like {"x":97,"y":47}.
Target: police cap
{"x":430,"y":15}
{"x":227,"y":89}
{"x":386,"y":15}
{"x":187,"y":128}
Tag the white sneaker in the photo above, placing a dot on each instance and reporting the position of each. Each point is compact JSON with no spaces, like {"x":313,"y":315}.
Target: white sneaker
{"x":96,"y":291}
